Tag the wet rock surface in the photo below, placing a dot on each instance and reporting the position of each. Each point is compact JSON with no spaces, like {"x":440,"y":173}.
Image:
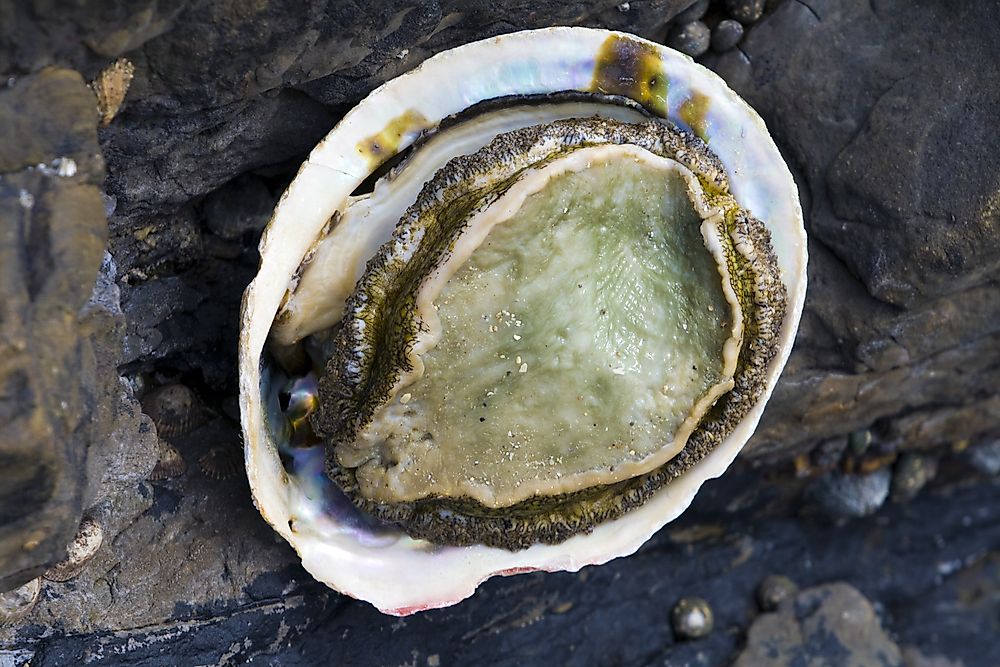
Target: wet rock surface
{"x":893,"y":146}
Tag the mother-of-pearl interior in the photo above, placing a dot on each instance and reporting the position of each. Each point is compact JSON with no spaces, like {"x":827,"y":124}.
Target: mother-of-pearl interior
{"x":575,"y":336}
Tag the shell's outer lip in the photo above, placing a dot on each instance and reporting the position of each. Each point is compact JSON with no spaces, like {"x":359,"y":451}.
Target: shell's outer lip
{"x":401,"y":579}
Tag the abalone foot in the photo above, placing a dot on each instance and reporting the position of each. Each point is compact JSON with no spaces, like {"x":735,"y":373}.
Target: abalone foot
{"x":550,"y":520}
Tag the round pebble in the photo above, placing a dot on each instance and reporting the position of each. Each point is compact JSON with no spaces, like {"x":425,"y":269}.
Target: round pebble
{"x":690,"y":38}
{"x":694,"y":12}
{"x":828,"y":453}
{"x":846,"y":496}
{"x":18,"y":603}
{"x":79,"y":552}
{"x":726,"y":35}
{"x":773,"y":590}
{"x":911,"y":474}
{"x":745,"y":11}
{"x":859,"y":441}
{"x":691,"y":618}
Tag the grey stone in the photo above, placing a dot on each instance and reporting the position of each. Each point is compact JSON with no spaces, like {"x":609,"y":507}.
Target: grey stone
{"x":829,"y":624}
{"x":745,"y":11}
{"x":985,"y":457}
{"x":911,"y":474}
{"x":690,"y":38}
{"x":726,"y":35}
{"x":847,"y":495}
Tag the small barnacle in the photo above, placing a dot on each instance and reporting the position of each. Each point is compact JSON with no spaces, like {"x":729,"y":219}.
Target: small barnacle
{"x":110,"y":87}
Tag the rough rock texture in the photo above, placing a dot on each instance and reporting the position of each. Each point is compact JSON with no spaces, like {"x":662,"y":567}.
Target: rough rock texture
{"x":886,"y":111}
{"x":62,"y":430}
{"x":893,"y":146}
{"x":829,"y":623}
{"x":190,"y":584}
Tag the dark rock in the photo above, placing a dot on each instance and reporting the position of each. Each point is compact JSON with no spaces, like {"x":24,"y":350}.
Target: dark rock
{"x":912,"y":657}
{"x":959,"y":610}
{"x":829,"y":624}
{"x":893,"y":149}
{"x":827,"y":454}
{"x":745,"y":11}
{"x":241,"y":206}
{"x":202,"y":543}
{"x":894,"y":333}
{"x":694,"y":12}
{"x":690,"y":38}
{"x":726,"y":35}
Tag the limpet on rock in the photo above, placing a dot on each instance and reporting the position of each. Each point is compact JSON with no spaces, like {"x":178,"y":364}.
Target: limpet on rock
{"x":173,"y":408}
{"x":220,"y":462}
{"x":170,"y":464}
{"x":528,"y":298}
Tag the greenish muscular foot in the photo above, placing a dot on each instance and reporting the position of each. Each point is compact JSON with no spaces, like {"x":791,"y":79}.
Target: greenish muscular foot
{"x":552,"y":348}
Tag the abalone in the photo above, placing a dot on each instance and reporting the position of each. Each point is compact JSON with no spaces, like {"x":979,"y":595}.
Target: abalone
{"x":512,"y":312}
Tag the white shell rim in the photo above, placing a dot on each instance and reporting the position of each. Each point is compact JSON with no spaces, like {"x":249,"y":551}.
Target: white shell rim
{"x":400,"y":579}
